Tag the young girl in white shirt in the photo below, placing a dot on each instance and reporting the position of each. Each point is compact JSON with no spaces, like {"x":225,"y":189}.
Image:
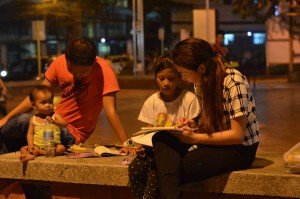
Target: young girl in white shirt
{"x":163,"y":108}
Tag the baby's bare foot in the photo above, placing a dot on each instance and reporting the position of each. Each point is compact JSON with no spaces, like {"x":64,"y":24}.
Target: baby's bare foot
{"x":26,"y":157}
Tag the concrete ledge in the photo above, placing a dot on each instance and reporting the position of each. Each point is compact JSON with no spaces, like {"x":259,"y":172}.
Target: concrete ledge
{"x":267,"y":177}
{"x":97,"y":171}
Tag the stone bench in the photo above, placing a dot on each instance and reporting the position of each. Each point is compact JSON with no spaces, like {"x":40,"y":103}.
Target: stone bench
{"x":106,"y":177}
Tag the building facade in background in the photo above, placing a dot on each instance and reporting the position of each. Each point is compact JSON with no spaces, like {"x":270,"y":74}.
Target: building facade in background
{"x":109,"y":25}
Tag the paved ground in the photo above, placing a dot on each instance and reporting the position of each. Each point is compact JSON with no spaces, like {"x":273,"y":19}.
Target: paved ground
{"x":278,"y":110}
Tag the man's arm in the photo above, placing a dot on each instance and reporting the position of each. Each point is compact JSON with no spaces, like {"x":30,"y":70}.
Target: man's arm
{"x":109,"y":105}
{"x":23,"y":107}
{"x":59,"y":121}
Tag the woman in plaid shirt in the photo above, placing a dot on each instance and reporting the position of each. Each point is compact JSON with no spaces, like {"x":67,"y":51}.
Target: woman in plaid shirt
{"x":227,"y":134}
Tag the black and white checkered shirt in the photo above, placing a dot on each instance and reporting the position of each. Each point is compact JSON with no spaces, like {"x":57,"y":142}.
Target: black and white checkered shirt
{"x":238,"y":101}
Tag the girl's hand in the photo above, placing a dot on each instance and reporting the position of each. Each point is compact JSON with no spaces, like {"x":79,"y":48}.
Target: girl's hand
{"x":141,"y":151}
{"x":127,"y":151}
{"x":181,"y":122}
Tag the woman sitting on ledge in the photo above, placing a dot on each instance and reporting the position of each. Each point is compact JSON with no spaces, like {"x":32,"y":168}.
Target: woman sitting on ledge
{"x":227,"y":137}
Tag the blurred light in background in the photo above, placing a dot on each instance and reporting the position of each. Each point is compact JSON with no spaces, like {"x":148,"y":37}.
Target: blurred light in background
{"x":259,"y":38}
{"x":228,"y":37}
{"x":3,"y":73}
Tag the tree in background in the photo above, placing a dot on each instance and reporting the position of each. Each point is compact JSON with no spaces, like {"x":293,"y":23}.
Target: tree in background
{"x":265,"y":9}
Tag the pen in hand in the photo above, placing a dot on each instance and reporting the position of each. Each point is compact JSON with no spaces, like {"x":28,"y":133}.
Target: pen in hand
{"x":193,"y":148}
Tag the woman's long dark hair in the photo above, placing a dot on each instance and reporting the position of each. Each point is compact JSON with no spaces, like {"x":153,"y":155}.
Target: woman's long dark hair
{"x":190,"y":54}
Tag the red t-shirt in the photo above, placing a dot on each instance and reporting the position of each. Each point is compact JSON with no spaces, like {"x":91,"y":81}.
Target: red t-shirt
{"x":81,"y":102}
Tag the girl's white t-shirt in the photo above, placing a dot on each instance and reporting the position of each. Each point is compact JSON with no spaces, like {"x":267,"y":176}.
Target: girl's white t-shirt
{"x":159,"y":113}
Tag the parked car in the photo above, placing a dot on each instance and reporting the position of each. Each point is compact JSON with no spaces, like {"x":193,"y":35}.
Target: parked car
{"x":118,"y":62}
{"x":27,"y":69}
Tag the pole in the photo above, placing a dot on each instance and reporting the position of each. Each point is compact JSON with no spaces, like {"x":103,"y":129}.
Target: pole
{"x":207,"y":20}
{"x":134,"y":36}
{"x":162,"y":47}
{"x":38,"y":40}
{"x":142,"y":48}
{"x":291,"y":53}
{"x":161,"y":37}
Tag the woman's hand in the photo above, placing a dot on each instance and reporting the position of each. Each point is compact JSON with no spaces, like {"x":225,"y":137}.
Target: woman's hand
{"x":188,"y":135}
{"x":232,"y":136}
{"x":188,"y":127}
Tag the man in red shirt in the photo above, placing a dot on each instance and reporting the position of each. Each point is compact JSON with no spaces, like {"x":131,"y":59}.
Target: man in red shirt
{"x":87,"y":84}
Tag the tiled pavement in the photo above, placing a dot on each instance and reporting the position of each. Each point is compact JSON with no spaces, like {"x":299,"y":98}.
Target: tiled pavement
{"x":278,"y":110}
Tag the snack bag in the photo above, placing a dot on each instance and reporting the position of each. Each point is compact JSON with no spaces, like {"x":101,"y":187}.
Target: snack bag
{"x":292,"y":159}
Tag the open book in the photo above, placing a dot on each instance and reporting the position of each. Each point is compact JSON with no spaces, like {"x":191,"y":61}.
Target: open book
{"x":99,"y":151}
{"x":145,"y":130}
{"x":144,"y":136}
{"x":144,"y":139}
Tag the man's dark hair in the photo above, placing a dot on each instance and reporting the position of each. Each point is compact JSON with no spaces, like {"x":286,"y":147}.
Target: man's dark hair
{"x":81,"y":51}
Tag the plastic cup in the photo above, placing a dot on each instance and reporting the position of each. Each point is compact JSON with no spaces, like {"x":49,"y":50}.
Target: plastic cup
{"x":50,"y":152}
